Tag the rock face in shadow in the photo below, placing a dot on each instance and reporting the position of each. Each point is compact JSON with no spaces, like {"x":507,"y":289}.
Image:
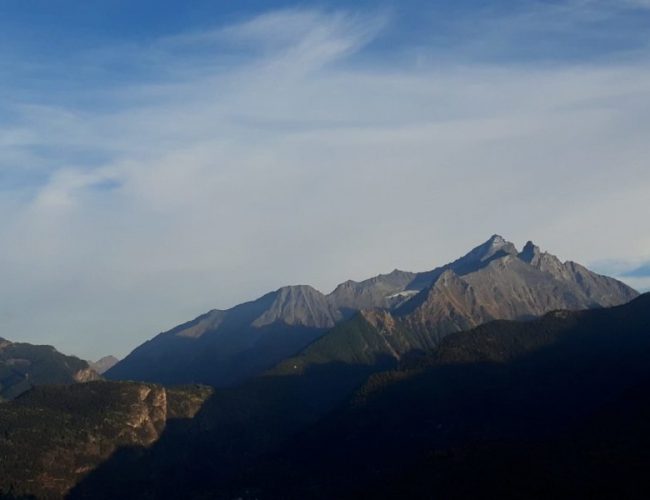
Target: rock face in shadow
{"x":52,"y":436}
{"x":23,"y":366}
{"x":552,"y":408}
{"x":492,"y":281}
{"x":556,"y":400}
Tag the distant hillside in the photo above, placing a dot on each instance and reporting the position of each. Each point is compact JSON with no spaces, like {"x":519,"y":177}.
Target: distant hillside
{"x":104,"y":364}
{"x":51,"y":437}
{"x":492,"y":281}
{"x":23,"y":366}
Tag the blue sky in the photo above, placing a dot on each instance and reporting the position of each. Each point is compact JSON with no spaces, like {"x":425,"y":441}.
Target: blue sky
{"x":163,"y":158}
{"x":41,"y":30}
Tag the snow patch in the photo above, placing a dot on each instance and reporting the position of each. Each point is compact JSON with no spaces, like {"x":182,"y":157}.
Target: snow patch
{"x":405,"y":293}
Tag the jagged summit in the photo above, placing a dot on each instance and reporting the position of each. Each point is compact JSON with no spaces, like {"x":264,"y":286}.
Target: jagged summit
{"x":494,"y":248}
{"x":530,"y":252}
{"x":497,"y":239}
{"x":300,"y":305}
{"x":497,"y":246}
{"x":304,"y":289}
{"x":492,"y":281}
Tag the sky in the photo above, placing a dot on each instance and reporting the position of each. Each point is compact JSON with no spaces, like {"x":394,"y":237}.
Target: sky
{"x":162,"y":158}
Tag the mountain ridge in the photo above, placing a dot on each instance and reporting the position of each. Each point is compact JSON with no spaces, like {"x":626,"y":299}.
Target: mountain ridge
{"x":225,"y":347}
{"x":502,"y":287}
{"x":24,"y":366}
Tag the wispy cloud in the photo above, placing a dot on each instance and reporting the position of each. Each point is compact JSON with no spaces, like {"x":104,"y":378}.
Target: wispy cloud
{"x":273,"y":151}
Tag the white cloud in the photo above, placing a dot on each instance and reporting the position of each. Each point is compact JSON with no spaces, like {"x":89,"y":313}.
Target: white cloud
{"x":226,"y":177}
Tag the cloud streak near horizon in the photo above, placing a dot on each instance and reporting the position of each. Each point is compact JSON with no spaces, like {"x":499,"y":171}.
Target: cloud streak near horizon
{"x":289,"y":148}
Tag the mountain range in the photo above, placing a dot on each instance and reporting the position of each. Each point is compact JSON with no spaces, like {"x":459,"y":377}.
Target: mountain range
{"x":504,"y":374}
{"x":406,"y":312}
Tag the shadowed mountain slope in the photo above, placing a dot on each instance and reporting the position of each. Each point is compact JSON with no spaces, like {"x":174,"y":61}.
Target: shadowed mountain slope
{"x":23,"y":366}
{"x":493,"y":281}
{"x":225,"y":347}
{"x":537,"y":409}
{"x":555,"y":407}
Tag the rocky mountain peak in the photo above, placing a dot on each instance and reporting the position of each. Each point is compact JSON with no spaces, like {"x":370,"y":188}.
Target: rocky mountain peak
{"x":497,"y":239}
{"x":299,"y":305}
{"x":498,"y":242}
{"x":530,"y":252}
{"x":493,"y":280}
{"x":104,"y":364}
{"x":497,"y":246}
{"x":298,"y":289}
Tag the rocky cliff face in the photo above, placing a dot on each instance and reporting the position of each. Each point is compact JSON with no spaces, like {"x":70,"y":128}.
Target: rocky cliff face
{"x":52,"y":436}
{"x":385,"y":291}
{"x":300,"y":306}
{"x":86,"y":375}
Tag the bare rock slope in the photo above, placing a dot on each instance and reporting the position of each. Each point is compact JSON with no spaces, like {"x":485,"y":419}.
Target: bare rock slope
{"x":104,"y":364}
{"x":492,"y":281}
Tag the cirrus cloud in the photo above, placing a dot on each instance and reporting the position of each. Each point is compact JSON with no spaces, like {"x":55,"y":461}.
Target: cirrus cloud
{"x":279,"y":150}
